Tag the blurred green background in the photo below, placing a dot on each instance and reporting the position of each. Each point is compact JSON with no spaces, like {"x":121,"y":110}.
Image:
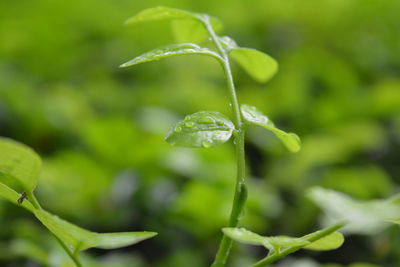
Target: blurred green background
{"x":100,"y":129}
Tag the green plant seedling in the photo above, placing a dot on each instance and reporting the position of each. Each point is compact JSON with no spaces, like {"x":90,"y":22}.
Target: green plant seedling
{"x":205,"y":129}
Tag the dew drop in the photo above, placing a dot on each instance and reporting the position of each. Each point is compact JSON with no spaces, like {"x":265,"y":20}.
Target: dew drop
{"x":206,"y":144}
{"x":206,"y":120}
{"x":189,"y":124}
{"x":220,"y":123}
{"x":178,"y":129}
{"x":188,"y":117}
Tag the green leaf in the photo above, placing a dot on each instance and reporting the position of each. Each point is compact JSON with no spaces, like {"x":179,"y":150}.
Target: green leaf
{"x":365,"y":217}
{"x":272,"y":243}
{"x":254,"y":116}
{"x":161,"y":13}
{"x":257,"y":64}
{"x":80,"y":239}
{"x":193,"y":31}
{"x":169,"y":51}
{"x":12,"y":196}
{"x":186,"y":26}
{"x":19,"y":162}
{"x":329,"y":242}
{"x":201,"y":129}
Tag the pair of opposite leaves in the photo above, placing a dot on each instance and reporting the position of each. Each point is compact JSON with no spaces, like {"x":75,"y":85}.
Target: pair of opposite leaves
{"x":209,"y":128}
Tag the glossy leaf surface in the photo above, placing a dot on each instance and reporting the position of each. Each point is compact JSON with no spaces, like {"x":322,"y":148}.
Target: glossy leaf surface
{"x":80,"y":239}
{"x":169,"y":51}
{"x":361,"y":216}
{"x":19,"y":162}
{"x":201,"y":129}
{"x":257,"y":64}
{"x":254,"y":116}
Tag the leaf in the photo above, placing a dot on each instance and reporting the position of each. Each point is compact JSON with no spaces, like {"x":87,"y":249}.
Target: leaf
{"x":257,"y":64}
{"x":201,"y":129}
{"x":19,"y":162}
{"x":161,"y":13}
{"x":254,"y":116}
{"x":365,"y":217}
{"x":12,"y":196}
{"x":80,"y":239}
{"x":329,"y":242}
{"x":186,"y":26}
{"x":244,"y":236}
{"x":189,"y":30}
{"x":169,"y":51}
{"x":274,"y":243}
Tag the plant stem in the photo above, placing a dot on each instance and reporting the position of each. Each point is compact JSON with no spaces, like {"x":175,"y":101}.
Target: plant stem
{"x":74,"y":257}
{"x":240,"y":189}
{"x":314,"y":237}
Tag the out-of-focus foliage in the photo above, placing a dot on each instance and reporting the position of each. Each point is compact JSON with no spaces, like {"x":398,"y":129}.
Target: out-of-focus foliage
{"x":101,"y":129}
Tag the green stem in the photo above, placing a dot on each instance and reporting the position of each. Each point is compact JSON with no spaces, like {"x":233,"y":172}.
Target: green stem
{"x":314,"y":237}
{"x":240,"y":189}
{"x":74,"y":257}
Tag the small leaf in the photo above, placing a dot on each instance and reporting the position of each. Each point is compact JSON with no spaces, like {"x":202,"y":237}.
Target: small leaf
{"x":329,"y":242}
{"x":80,"y":239}
{"x":12,"y":196}
{"x":244,"y":236}
{"x":201,"y":129}
{"x":272,"y":243}
{"x":186,"y":26}
{"x":257,"y":64}
{"x":161,"y":13}
{"x":193,"y":31}
{"x":169,"y":51}
{"x":364,"y":217}
{"x":253,"y":115}
{"x":19,"y":162}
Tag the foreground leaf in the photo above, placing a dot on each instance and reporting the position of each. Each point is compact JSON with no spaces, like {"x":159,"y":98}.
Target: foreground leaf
{"x":254,"y":116}
{"x":276,"y":243}
{"x":19,"y":162}
{"x":257,"y":64}
{"x":169,"y":51}
{"x":366,"y":217}
{"x":80,"y":239}
{"x":201,"y":129}
{"x":12,"y":196}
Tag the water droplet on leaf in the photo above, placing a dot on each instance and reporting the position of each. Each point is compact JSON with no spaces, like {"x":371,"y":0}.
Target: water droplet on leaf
{"x":206,"y":120}
{"x":178,"y":129}
{"x":220,"y":123}
{"x":206,"y":144}
{"x":189,"y":124}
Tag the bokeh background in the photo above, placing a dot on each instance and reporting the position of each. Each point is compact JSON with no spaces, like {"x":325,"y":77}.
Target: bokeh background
{"x":100,"y":129}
